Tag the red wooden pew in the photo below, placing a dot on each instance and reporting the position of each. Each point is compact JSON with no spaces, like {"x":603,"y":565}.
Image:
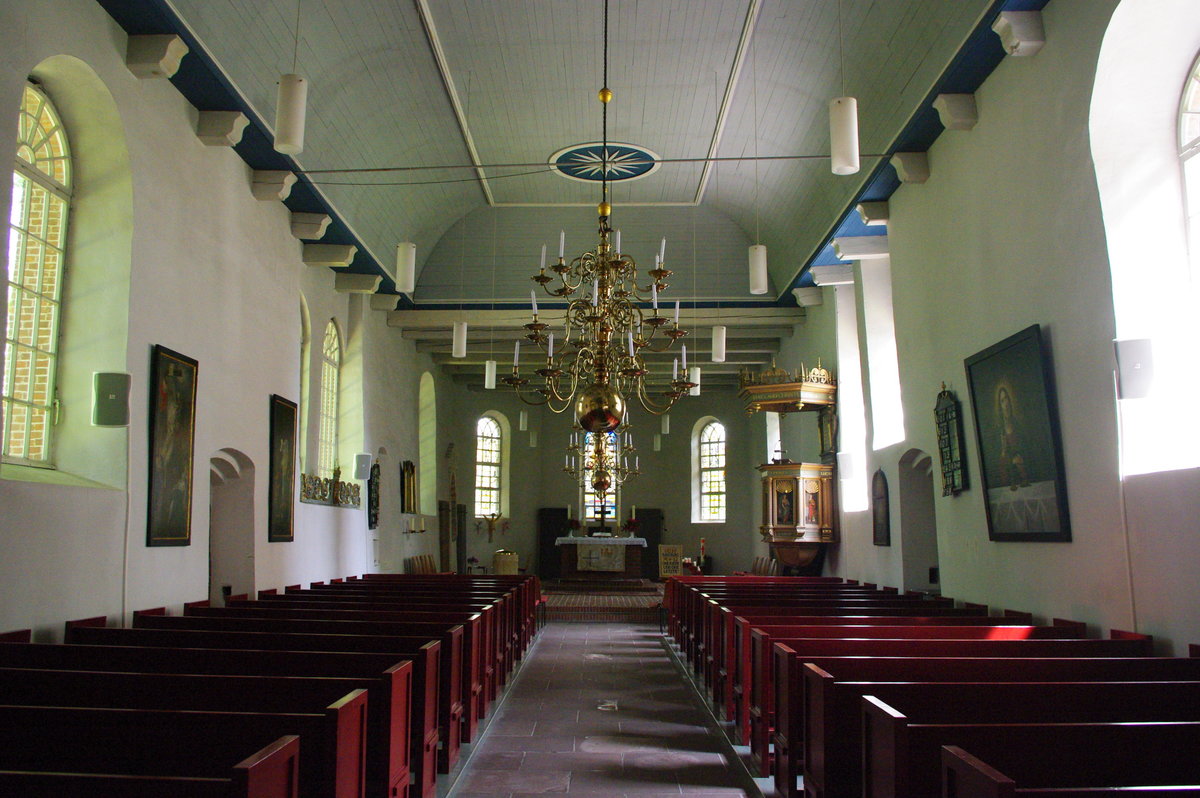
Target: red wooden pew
{"x":450,"y":678}
{"x":964,"y":776}
{"x":833,"y":749}
{"x":426,"y":659}
{"x":186,"y":743}
{"x":481,"y":657}
{"x":731,"y":649}
{"x":903,"y":755}
{"x":388,"y":679}
{"x":271,"y":772}
{"x":761,"y":690}
{"x":795,"y":709}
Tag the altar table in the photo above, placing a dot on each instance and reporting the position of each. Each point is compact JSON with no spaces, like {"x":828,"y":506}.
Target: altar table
{"x":601,"y":557}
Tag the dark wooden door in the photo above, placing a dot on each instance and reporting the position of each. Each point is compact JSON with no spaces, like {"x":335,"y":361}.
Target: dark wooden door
{"x":552,"y":524}
{"x":650,"y":527}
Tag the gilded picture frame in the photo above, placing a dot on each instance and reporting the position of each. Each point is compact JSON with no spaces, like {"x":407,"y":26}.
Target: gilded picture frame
{"x":172,"y":444}
{"x":281,"y":496}
{"x":1020,"y":449}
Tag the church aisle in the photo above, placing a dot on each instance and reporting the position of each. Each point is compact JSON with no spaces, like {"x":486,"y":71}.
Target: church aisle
{"x":601,"y":709}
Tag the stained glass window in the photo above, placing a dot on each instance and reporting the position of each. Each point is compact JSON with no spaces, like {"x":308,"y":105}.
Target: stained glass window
{"x":41,"y":196}
{"x":487,"y":466}
{"x":591,"y":500}
{"x":712,"y":472}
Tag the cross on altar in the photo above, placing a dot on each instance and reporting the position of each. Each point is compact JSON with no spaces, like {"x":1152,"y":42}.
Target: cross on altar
{"x":590,"y":556}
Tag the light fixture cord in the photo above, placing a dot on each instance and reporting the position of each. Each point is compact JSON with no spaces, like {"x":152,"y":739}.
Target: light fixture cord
{"x":492,"y":328}
{"x":841,"y":49}
{"x":754,"y":92}
{"x":604,"y":115}
{"x":296,"y":44}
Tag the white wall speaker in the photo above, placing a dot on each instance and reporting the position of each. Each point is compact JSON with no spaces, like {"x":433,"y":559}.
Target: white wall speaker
{"x":1135,"y":367}
{"x":362,"y":466}
{"x":110,"y":399}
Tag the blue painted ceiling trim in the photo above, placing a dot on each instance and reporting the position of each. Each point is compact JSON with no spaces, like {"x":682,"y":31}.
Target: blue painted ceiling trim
{"x":972,"y":65}
{"x":205,"y":87}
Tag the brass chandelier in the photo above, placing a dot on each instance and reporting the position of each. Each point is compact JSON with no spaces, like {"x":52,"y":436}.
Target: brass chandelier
{"x":598,"y":364}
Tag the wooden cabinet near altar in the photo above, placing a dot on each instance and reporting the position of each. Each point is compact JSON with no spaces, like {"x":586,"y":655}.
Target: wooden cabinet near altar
{"x":798,"y":510}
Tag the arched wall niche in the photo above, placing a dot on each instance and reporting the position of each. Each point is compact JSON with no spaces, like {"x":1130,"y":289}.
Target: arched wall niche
{"x":918,"y":522}
{"x":231,"y":525}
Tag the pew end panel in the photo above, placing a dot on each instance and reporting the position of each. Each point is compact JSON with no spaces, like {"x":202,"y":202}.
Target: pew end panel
{"x":17,"y":636}
{"x":270,"y":772}
{"x":885,"y":747}
{"x":964,"y":775}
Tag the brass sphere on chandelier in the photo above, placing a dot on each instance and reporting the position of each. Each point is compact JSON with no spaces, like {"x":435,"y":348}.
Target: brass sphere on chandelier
{"x":600,"y":408}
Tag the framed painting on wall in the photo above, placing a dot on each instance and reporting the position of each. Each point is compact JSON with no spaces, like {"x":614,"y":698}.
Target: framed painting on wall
{"x":172,"y":446}
{"x":1020,"y":451}
{"x":281,"y":497}
{"x":881,"y":527}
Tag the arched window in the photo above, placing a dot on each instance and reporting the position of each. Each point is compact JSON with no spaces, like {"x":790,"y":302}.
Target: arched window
{"x":41,"y":197}
{"x":710,"y":471}
{"x":488,"y":466}
{"x":1189,"y":156}
{"x":331,"y":364}
{"x":590,"y":499}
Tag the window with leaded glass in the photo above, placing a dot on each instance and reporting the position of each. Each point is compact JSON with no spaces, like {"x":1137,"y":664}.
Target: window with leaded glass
{"x":37,"y":236}
{"x":331,"y":365}
{"x":712,"y":472}
{"x":1189,"y":156}
{"x":591,"y":500}
{"x":488,"y":448}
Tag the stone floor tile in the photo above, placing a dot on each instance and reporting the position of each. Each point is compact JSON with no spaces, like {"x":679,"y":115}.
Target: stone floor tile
{"x":507,"y":781}
{"x":602,"y":710}
{"x":498,"y":760}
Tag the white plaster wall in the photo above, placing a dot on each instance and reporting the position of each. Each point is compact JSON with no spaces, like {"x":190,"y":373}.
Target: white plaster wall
{"x":1007,"y":233}
{"x":215,"y":275}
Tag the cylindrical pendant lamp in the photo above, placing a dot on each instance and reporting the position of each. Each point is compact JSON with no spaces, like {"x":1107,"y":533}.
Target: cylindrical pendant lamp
{"x":532,"y":439}
{"x":665,"y":424}
{"x":843,"y":135}
{"x":489,"y":375}
{"x":459,"y":347}
{"x":694,"y":377}
{"x":289,"y":114}
{"x":759,"y":284}
{"x":657,"y":442}
{"x":718,"y":344}
{"x":523,"y":420}
{"x":406,"y":267}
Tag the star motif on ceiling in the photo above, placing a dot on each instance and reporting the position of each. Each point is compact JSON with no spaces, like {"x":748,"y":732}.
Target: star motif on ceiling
{"x":586,"y":162}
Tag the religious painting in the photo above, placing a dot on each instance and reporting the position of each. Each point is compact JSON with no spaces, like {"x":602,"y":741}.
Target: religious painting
{"x":880,"y":511}
{"x":785,"y":502}
{"x":1020,"y":451}
{"x":281,"y":495}
{"x":172,"y":446}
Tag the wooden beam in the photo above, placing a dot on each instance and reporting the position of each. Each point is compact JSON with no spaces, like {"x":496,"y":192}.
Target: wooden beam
{"x":513,"y":318}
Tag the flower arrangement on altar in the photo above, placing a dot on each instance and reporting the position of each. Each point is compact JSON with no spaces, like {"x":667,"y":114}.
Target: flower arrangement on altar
{"x":631,"y":526}
{"x":573,"y":526}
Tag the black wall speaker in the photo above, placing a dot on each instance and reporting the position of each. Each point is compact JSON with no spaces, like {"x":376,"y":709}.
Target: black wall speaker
{"x":110,"y":399}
